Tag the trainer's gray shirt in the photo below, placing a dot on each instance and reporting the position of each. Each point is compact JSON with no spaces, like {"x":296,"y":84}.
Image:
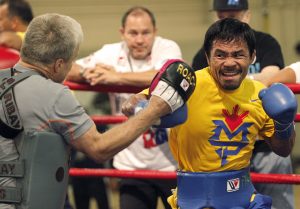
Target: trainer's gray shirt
{"x":44,"y":106}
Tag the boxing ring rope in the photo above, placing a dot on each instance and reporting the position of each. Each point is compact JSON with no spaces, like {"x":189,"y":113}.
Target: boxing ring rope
{"x":108,"y":119}
{"x":153,"y":174}
{"x":294,"y":87}
{"x":103,"y":88}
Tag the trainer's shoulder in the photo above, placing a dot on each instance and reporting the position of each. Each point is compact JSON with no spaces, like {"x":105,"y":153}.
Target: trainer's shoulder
{"x":59,"y":92}
{"x":45,"y":89}
{"x":42,"y":83}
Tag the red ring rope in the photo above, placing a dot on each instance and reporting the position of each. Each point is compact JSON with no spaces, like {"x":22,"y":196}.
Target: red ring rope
{"x":152,"y":174}
{"x":108,"y":119}
{"x":294,"y":87}
{"x":103,"y":88}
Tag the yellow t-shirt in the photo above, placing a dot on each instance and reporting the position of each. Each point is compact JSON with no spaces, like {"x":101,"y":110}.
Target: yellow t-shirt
{"x":21,"y":35}
{"x":221,"y":128}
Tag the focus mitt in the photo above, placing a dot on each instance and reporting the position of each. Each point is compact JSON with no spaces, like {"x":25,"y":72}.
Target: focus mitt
{"x":174,"y":83}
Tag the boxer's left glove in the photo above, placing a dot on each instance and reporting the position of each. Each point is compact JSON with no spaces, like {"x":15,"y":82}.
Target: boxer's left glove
{"x":280,"y":103}
{"x":174,"y":83}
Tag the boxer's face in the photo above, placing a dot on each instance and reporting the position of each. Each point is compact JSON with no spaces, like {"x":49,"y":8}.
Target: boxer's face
{"x":229,"y":62}
{"x":139,"y":34}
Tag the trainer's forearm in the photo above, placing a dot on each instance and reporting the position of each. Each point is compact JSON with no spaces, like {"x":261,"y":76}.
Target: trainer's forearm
{"x":103,"y":146}
{"x":119,"y":137}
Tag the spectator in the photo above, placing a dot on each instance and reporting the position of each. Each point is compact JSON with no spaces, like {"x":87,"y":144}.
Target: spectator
{"x":289,"y":74}
{"x":135,"y":61}
{"x":15,"y":15}
{"x":268,"y":62}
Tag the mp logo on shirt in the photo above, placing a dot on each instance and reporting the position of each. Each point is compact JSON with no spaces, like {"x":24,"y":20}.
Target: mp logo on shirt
{"x":233,"y":185}
{"x":232,"y":127}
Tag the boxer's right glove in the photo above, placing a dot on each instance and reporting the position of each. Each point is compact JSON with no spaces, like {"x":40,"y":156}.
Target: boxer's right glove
{"x":174,"y":83}
{"x":280,"y":103}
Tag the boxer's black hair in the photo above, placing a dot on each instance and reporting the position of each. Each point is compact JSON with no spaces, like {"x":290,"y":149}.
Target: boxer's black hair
{"x":227,"y":30}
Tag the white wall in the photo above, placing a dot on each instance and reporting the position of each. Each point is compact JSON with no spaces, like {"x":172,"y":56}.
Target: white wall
{"x":184,"y":21}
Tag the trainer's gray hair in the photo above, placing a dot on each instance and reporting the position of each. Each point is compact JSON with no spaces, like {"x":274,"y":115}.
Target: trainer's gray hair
{"x":50,"y":37}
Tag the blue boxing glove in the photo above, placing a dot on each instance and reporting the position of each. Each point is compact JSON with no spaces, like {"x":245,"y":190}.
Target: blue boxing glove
{"x":280,"y":103}
{"x":175,"y":118}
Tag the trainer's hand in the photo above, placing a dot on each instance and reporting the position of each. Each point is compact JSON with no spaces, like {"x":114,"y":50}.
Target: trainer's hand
{"x":174,"y":83}
{"x":129,"y":106}
{"x":280,"y":103}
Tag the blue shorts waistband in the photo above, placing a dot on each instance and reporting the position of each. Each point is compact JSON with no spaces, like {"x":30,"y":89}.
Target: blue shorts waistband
{"x":211,"y":189}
